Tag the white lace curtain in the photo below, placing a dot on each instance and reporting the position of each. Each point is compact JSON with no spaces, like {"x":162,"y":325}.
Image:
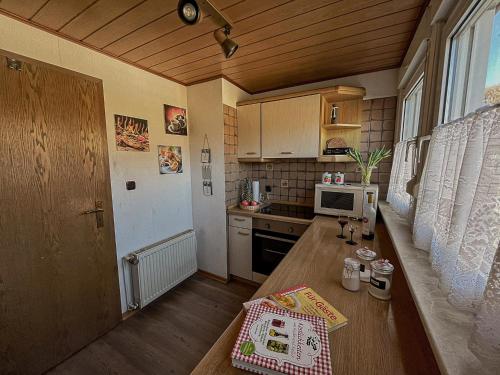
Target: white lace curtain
{"x":401,"y":173}
{"x":457,"y":220}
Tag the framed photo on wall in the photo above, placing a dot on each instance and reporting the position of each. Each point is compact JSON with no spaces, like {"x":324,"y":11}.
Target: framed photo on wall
{"x":131,"y":133}
{"x":170,"y":159}
{"x":175,"y":120}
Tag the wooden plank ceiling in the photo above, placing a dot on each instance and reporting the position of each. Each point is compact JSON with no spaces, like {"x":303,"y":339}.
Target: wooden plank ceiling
{"x":282,"y":42}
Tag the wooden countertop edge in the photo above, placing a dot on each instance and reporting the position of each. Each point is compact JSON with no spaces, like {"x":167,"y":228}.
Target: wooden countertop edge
{"x":204,"y":366}
{"x":448,"y":329}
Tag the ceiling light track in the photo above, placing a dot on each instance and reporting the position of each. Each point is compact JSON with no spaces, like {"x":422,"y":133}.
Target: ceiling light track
{"x":191,"y":12}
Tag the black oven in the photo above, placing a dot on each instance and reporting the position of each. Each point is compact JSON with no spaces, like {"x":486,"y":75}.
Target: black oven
{"x":271,"y":241}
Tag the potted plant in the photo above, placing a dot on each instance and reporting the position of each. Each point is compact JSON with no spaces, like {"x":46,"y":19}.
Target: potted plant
{"x":374,"y":158}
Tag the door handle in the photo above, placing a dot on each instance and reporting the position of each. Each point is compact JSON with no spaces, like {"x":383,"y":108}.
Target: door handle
{"x":251,"y":153}
{"x":99,"y":213}
{"x":286,"y":152}
{"x":275,"y":238}
{"x":94,"y":211}
{"x":274,"y":252}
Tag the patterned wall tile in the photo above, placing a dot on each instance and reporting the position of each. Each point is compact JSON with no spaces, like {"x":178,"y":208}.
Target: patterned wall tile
{"x":302,"y":174}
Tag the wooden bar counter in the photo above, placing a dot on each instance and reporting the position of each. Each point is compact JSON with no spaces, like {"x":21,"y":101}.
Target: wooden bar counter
{"x":381,"y":337}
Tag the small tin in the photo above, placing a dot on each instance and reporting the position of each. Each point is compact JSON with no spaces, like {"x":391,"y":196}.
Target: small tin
{"x":339,"y":178}
{"x":327,"y":178}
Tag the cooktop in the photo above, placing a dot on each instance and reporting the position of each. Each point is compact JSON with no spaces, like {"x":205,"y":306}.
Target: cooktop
{"x":289,"y":210}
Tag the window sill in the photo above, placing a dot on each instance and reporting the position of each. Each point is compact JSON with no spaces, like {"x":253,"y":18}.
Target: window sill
{"x":447,"y":328}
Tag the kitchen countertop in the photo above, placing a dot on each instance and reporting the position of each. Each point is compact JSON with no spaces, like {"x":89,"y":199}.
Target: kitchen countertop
{"x":381,"y":337}
{"x":235,"y":210}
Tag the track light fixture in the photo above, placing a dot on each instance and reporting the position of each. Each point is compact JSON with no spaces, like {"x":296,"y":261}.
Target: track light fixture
{"x":190,"y":12}
{"x":228,"y":46}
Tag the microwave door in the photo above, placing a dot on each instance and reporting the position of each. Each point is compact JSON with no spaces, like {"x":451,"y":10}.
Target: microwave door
{"x":341,"y":202}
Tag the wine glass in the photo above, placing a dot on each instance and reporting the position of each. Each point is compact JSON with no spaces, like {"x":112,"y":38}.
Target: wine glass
{"x":352,"y":229}
{"x":342,"y":222}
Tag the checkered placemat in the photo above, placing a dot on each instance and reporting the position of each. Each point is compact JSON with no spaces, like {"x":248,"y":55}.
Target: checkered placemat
{"x":323,"y":365}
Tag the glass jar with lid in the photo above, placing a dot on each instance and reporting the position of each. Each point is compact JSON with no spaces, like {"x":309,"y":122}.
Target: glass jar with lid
{"x":365,"y":257}
{"x":350,"y":275}
{"x":381,"y":279}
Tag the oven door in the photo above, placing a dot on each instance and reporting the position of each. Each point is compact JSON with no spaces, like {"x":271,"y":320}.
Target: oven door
{"x":269,"y":249}
{"x":339,"y":201}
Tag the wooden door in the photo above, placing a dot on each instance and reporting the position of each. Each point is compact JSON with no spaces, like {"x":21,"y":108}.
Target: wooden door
{"x":249,"y":131}
{"x":58,"y":271}
{"x":290,"y":127}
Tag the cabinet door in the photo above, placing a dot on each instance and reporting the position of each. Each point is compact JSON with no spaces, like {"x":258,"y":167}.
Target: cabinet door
{"x":290,"y":127}
{"x":249,"y":131}
{"x":240,"y":252}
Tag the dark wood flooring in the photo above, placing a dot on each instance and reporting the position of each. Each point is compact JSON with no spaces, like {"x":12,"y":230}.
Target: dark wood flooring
{"x":170,"y":336}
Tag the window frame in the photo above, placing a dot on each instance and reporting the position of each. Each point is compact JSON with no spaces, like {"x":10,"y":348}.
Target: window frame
{"x":463,"y":19}
{"x":416,"y":82}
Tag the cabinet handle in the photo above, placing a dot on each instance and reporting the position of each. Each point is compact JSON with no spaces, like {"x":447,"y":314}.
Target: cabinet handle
{"x":251,"y":153}
{"x":243,"y":233}
{"x":286,"y":152}
{"x":238,"y":219}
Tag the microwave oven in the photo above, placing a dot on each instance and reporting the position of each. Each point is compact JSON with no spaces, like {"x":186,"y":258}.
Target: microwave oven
{"x":342,"y":200}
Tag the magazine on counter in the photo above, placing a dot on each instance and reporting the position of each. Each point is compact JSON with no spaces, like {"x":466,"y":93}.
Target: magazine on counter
{"x":305,"y":300}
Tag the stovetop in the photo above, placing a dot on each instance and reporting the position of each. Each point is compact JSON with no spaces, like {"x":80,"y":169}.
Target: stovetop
{"x":289,"y":210}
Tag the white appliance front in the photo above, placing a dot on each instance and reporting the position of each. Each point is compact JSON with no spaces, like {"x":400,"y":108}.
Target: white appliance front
{"x":342,"y":200}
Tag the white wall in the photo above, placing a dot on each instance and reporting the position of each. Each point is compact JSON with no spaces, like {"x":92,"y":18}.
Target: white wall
{"x":381,"y":84}
{"x":209,"y":212}
{"x":232,"y":94}
{"x":161,"y":204}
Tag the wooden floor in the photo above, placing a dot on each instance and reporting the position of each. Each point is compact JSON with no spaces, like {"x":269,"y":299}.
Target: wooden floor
{"x":170,"y":336}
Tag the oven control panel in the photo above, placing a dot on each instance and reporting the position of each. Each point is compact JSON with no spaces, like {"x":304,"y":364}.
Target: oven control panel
{"x":279,"y":226}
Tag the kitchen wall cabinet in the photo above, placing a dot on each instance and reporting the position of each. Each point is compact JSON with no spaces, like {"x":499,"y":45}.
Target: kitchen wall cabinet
{"x":240,"y":248}
{"x":290,"y":127}
{"x":249,"y":131}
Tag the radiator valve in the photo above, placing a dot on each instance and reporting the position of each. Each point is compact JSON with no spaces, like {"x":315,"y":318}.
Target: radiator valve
{"x":132,"y":259}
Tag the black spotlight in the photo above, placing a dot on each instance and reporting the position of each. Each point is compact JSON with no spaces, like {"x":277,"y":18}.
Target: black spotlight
{"x":228,"y":46}
{"x":189,"y":12}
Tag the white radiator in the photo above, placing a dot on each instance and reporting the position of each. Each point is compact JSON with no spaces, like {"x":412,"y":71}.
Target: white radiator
{"x":159,"y":267}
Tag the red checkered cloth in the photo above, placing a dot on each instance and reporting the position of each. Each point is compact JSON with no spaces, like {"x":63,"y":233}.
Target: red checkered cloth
{"x":323,"y":365}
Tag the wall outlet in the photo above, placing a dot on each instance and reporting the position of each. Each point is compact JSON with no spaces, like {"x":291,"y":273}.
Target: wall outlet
{"x":130,"y":185}
{"x":269,"y":166}
{"x":284,"y":183}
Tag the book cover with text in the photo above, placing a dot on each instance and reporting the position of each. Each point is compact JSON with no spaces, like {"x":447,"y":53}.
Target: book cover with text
{"x":279,"y":341}
{"x":302,"y":299}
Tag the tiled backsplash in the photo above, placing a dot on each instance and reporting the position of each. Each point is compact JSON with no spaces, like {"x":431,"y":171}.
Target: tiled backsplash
{"x":231,"y":165}
{"x":302,"y":174}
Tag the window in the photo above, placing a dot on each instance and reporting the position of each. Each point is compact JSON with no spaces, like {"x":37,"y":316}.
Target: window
{"x":472,"y":56}
{"x":411,"y":110}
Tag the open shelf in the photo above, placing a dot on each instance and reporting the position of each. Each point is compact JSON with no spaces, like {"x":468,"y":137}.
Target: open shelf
{"x":335,"y":159}
{"x":340,"y":126}
{"x":346,"y":132}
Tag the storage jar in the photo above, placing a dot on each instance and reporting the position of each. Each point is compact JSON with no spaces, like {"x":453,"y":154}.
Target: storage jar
{"x":381,"y":279}
{"x":365,"y":257}
{"x":350,"y":275}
